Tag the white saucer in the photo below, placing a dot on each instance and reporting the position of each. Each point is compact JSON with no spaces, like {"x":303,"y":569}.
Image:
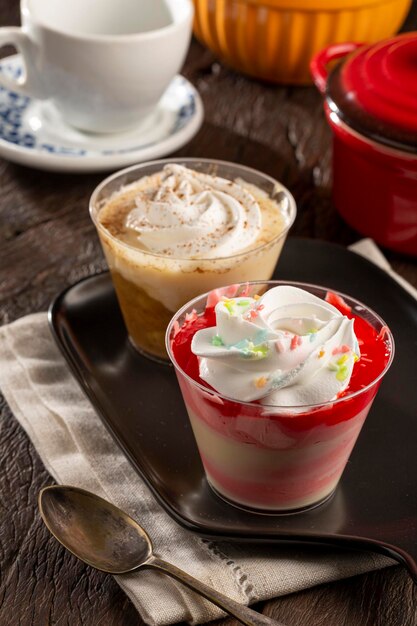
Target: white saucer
{"x":33,"y":133}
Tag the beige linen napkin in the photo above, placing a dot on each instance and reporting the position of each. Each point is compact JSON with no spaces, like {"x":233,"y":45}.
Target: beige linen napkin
{"x":77,"y":449}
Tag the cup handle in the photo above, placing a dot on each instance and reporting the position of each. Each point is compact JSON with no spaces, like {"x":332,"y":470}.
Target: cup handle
{"x":28,"y":84}
{"x":319,"y":62}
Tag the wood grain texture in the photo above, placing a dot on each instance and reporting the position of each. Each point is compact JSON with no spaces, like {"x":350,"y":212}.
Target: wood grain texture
{"x":48,"y":242}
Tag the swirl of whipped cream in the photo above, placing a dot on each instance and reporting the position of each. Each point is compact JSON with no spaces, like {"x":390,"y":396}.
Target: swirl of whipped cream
{"x":186,"y":213}
{"x":287,"y":348}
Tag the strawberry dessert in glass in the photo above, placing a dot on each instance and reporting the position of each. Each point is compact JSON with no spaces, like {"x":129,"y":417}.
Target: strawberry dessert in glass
{"x":277,"y":379}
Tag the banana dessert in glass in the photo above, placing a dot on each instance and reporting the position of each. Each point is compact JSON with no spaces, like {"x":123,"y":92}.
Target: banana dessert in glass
{"x":277,"y":387}
{"x":173,"y":230}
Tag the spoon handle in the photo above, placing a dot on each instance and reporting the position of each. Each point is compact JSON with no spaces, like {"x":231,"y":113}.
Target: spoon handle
{"x":243,"y":613}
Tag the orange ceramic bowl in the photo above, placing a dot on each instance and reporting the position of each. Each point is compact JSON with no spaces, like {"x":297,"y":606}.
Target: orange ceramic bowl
{"x":275,"y":39}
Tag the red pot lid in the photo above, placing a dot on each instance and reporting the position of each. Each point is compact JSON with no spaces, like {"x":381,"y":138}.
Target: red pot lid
{"x":375,"y":90}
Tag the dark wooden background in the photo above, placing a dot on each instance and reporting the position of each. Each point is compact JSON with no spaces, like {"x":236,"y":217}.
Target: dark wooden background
{"x":48,"y":242}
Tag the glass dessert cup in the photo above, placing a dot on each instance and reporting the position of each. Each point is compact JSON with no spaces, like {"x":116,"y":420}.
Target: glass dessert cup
{"x":151,"y":287}
{"x":275,"y":459}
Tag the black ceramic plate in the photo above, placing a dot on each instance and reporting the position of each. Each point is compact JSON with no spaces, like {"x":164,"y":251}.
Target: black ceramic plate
{"x":375,"y":505}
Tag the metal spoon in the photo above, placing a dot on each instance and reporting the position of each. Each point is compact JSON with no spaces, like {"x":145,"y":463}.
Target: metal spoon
{"x":105,"y":537}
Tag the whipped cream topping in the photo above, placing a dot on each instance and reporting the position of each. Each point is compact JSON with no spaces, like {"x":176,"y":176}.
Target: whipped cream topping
{"x":189,"y":214}
{"x":286,"y":348}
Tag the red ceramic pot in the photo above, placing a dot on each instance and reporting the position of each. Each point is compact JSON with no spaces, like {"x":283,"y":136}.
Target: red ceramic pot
{"x":371,"y":106}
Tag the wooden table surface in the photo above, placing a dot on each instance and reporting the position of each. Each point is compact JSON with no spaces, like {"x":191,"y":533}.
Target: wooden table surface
{"x":48,"y":242}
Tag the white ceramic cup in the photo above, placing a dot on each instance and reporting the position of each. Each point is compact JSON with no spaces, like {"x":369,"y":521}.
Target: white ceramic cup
{"x":103,"y":63}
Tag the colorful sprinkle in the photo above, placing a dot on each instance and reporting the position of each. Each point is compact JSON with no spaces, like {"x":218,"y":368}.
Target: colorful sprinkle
{"x":260,"y":336}
{"x":342,"y":359}
{"x":260,"y":351}
{"x":243,"y":303}
{"x":342,"y":373}
{"x":218,"y":294}
{"x":251,"y":350}
{"x":228,"y":304}
{"x":295,"y":342}
{"x":244,"y":346}
{"x":321,"y":354}
{"x":256,"y":297}
{"x":341,"y":349}
{"x":279,"y":346}
{"x":217,"y":341}
{"x":260,"y":382}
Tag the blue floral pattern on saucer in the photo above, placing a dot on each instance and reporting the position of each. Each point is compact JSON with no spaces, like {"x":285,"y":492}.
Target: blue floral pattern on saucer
{"x":33,"y":133}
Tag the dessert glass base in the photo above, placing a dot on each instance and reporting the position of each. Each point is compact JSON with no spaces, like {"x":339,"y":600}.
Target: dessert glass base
{"x":276,"y":459}
{"x":282,"y":512}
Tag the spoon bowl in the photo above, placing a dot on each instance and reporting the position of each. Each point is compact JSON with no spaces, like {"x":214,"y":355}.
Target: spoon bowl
{"x":107,"y":538}
{"x":94,"y":530}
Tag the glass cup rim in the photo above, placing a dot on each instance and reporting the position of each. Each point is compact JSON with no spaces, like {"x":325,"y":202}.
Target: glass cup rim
{"x":244,"y":168}
{"x":297,"y":410}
